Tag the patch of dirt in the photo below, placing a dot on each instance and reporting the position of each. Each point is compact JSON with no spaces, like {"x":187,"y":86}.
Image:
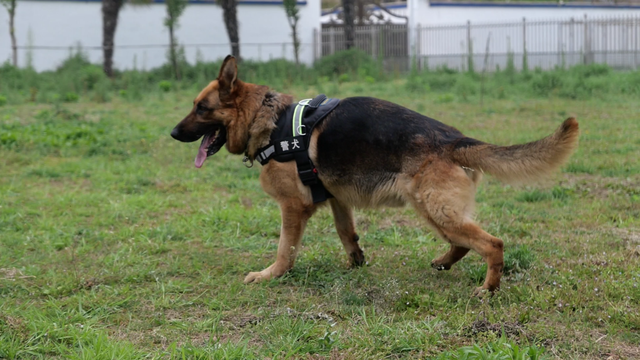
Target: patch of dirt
{"x":629,"y":235}
{"x":13,"y":274}
{"x":399,"y":221}
{"x":241,"y":321}
{"x":601,"y":187}
{"x":631,"y":238}
{"x":88,"y":284}
{"x":622,"y":351}
{"x":511,"y":329}
{"x":362,"y":223}
{"x":310,"y":315}
{"x":14,"y":324}
{"x":246,"y":202}
{"x":333,"y":355}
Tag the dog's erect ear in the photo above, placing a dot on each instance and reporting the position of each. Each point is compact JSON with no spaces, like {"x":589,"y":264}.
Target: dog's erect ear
{"x":228,"y":75}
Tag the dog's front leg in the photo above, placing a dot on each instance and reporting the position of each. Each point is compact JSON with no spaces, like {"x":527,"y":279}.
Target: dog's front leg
{"x":294,"y":219}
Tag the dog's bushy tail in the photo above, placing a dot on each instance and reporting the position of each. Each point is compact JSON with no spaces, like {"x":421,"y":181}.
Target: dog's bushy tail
{"x":523,"y":163}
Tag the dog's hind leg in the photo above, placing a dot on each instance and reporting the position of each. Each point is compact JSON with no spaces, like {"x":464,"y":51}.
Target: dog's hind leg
{"x":489,"y":247}
{"x":455,"y":253}
{"x":451,"y":257}
{"x":343,"y":218}
{"x":294,"y":220}
{"x":444,"y":194}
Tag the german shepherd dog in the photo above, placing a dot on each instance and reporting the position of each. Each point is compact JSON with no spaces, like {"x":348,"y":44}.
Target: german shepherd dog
{"x":370,"y":153}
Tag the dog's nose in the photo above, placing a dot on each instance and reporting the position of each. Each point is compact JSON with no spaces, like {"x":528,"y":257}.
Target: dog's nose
{"x":175,"y":133}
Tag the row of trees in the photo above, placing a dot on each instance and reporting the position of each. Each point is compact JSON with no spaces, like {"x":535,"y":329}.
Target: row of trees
{"x":111,"y":10}
{"x":175,"y":8}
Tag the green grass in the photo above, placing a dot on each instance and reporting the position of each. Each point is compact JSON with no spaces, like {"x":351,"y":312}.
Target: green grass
{"x":113,"y":246}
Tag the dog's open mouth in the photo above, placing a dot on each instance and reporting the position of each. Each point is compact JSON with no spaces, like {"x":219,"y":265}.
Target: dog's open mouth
{"x":211,"y":144}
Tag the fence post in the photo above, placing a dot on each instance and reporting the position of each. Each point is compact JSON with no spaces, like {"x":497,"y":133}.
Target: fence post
{"x":637,"y":41}
{"x":469,"y":48}
{"x":315,"y":44}
{"x":585,"y":46}
{"x":559,"y":36}
{"x":571,"y":47}
{"x":605,"y":42}
{"x":419,"y":37}
{"x":525,"y":61}
{"x":374,"y":43}
{"x":332,"y":40}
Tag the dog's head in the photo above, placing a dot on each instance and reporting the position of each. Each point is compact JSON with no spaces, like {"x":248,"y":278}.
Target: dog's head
{"x":213,"y":110}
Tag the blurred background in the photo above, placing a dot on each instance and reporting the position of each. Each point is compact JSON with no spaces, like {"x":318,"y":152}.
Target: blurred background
{"x":141,"y":34}
{"x":61,"y":50}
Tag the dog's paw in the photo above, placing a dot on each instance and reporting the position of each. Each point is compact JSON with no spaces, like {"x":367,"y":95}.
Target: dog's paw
{"x":439,"y":266}
{"x":357,"y":258}
{"x":482,"y":292}
{"x":256,"y":277}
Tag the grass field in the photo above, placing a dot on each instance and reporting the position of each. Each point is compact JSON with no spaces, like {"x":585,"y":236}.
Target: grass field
{"x":113,"y":246}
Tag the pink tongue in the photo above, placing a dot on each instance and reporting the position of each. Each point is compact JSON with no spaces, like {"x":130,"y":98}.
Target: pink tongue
{"x":202,"y":151}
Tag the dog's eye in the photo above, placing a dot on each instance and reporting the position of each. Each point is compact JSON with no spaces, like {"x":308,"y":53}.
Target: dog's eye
{"x":200,"y":109}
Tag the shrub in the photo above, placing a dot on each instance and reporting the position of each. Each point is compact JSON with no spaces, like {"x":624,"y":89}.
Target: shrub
{"x":445,"y":98}
{"x":465,"y":87}
{"x":591,"y":70}
{"x":351,"y":61}
{"x":70,"y":97}
{"x":90,"y":76}
{"x":165,"y":85}
{"x":76,"y":60}
{"x":441,"y":80}
{"x":630,"y":84}
{"x":545,"y":83}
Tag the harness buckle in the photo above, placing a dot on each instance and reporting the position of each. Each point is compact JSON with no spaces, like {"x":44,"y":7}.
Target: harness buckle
{"x":308,"y":176}
{"x":247,"y":162}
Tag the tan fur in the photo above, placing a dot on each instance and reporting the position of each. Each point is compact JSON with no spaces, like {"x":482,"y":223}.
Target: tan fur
{"x":523,"y":163}
{"x":440,"y":185}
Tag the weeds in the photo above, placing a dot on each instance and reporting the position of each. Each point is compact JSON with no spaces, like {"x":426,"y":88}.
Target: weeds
{"x":503,"y":349}
{"x":76,"y":79}
{"x":113,"y":246}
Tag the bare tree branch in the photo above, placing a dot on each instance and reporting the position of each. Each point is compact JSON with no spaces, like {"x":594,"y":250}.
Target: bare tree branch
{"x":384,"y":8}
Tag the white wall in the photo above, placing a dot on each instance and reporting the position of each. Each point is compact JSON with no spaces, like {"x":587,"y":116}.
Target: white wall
{"x":450,"y":14}
{"x":264,"y":32}
{"x":550,"y":37}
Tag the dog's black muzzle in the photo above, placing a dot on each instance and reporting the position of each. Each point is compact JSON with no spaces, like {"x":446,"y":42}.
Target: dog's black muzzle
{"x":184,"y":136}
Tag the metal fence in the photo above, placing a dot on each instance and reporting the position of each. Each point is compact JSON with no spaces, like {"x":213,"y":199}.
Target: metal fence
{"x":544,"y":44}
{"x":388,"y":42}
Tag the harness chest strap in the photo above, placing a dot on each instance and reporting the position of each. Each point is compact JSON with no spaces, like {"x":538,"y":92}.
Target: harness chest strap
{"x":290,"y":141}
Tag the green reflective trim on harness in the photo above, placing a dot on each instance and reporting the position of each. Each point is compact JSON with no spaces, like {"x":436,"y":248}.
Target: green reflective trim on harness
{"x":297,"y":117}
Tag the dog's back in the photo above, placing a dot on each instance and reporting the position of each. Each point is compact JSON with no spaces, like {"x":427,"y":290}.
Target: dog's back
{"x":369,"y":149}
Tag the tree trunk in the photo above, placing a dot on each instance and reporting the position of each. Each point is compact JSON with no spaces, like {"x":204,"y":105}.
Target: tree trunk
{"x":11,"y":9}
{"x":360,"y":11}
{"x":172,"y":52}
{"x":230,"y":16}
{"x":348,"y":7}
{"x":110,"y":10}
{"x":296,"y":44}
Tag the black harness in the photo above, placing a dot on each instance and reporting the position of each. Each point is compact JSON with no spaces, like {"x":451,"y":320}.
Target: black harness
{"x":290,"y":141}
